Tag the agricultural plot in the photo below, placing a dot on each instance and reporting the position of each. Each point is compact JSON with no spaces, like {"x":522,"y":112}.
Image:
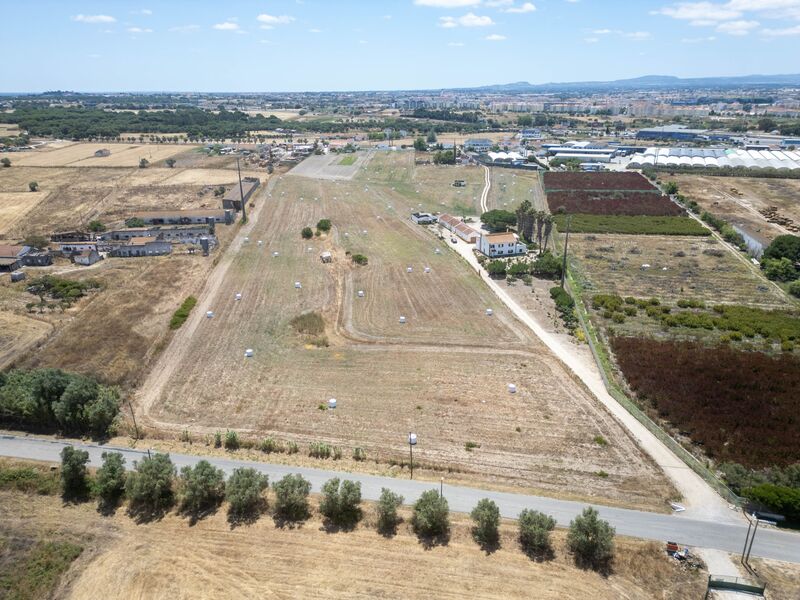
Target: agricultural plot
{"x":426,"y":187}
{"x":717,"y":397}
{"x":634,"y":225}
{"x":330,"y":166}
{"x":19,"y":333}
{"x":678,"y":267}
{"x":443,"y":373}
{"x":746,"y":202}
{"x":212,"y":559}
{"x":118,"y":327}
{"x":511,"y":186}
{"x":130,"y":156}
{"x":14,"y":206}
{"x":597,"y":182}
{"x":614,"y":203}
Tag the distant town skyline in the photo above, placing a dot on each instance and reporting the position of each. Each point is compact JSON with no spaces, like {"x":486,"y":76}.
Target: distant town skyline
{"x":350,"y":45}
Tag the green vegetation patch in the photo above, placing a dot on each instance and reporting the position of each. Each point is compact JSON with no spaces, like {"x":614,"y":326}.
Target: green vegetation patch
{"x":634,"y":225}
{"x":348,"y":160}
{"x":310,"y":323}
{"x":179,"y":316}
{"x":33,"y":479}
{"x":36,"y":574}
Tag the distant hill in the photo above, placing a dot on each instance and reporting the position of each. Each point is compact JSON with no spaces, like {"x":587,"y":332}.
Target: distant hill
{"x":645,"y":82}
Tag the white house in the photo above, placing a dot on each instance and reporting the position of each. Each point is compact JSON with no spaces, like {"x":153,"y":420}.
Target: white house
{"x":479,"y":144}
{"x":495,"y":245}
{"x":423,"y":218}
{"x":459,"y":228}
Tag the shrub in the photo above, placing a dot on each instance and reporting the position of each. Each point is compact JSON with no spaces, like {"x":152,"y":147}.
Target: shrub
{"x":33,"y":186}
{"x":134,"y":222}
{"x":534,"y":532}
{"x":359,"y":259}
{"x":600,"y":440}
{"x":337,"y":453}
{"x":341,"y":501}
{"x":244,"y":492}
{"x":499,"y":220}
{"x":359,"y":455}
{"x":496,"y":268}
{"x":36,"y":479}
{"x":324,"y":225}
{"x":149,"y":487}
{"x":780,"y":499}
{"x":591,"y":540}
{"x":565,"y":306}
{"x":182,"y":313}
{"x":144,"y":163}
{"x":202,"y":488}
{"x":431,"y":515}
{"x":779,"y":269}
{"x":96,"y":226}
{"x":270,"y":445}
{"x":486,"y":516}
{"x":547,"y":266}
{"x":319,"y":450}
{"x":110,"y":479}
{"x":635,"y":225}
{"x":5,"y":162}
{"x":784,"y":246}
{"x":307,"y":233}
{"x":232,"y":440}
{"x":291,"y":497}
{"x":73,"y":472}
{"x":387,"y":506}
{"x":217,"y":439}
{"x":310,"y":323}
{"x":292,"y":448}
{"x":794,"y":288}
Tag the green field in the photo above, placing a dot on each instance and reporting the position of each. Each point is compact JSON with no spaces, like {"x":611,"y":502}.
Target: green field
{"x":635,"y":225}
{"x":348,"y":160}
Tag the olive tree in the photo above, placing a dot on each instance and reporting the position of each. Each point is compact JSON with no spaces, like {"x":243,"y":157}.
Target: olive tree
{"x":244,"y":492}
{"x":110,"y":480}
{"x":341,"y":502}
{"x":291,"y":497}
{"x":73,"y":472}
{"x":388,"y":503}
{"x":486,"y":516}
{"x":150,"y":486}
{"x":431,"y":515}
{"x":202,"y":488}
{"x":534,"y":532}
{"x":591,"y":540}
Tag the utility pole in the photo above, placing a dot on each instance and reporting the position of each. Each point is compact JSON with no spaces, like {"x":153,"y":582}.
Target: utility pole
{"x":241,"y":192}
{"x":564,"y":262}
{"x":133,"y":416}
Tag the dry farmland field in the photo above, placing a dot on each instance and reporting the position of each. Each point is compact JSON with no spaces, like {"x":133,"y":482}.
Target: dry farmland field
{"x":212,"y":559}
{"x":443,"y":373}
{"x":69,"y":198}
{"x":511,"y":186}
{"x":738,"y":200}
{"x":82,"y":155}
{"x":696,"y":267}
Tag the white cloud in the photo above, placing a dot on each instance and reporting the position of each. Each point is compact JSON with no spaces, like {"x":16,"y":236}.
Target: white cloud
{"x":94,"y":19}
{"x":362,"y":42}
{"x":315,"y":30}
{"x":274,"y":19}
{"x":468,"y":20}
{"x":226,"y":26}
{"x":699,"y":12}
{"x":527,"y":7}
{"x":455,"y":44}
{"x":633,"y":35}
{"x":602,"y":31}
{"x":591,"y":40}
{"x":139,"y":30}
{"x":144,"y":12}
{"x":499,"y":3}
{"x":387,"y":17}
{"x":93,"y":55}
{"x":447,"y":3}
{"x":495,"y":37}
{"x":781,"y":32}
{"x":637,"y":35}
{"x":737,"y":27}
{"x":698,"y":40}
{"x":184,"y":28}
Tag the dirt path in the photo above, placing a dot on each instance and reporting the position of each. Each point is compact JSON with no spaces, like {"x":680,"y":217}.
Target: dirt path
{"x":485,"y":193}
{"x":171,"y":357}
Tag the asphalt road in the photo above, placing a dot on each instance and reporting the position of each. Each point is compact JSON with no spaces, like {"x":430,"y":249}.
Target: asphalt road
{"x":769,"y":543}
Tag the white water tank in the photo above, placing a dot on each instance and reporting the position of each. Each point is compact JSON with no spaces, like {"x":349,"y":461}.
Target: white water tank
{"x":238,"y":295}
{"x":512,"y":388}
{"x":360,"y":293}
{"x":297,"y":285}
{"x":210,"y":314}
{"x":248,"y":353}
{"x":402,"y":319}
{"x":489,"y":312}
{"x":332,"y":403}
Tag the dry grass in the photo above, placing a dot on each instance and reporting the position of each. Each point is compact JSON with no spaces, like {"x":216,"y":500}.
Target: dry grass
{"x":15,"y":205}
{"x":19,"y":333}
{"x":613,"y":264}
{"x":82,"y":155}
{"x":170,"y":559}
{"x":443,"y":373}
{"x":511,"y":186}
{"x":118,"y":328}
{"x":738,"y":200}
{"x":782,"y":578}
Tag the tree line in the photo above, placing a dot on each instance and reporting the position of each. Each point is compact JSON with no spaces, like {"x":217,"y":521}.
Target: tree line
{"x":154,"y":487}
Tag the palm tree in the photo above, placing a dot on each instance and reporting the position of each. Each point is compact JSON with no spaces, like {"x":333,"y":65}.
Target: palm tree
{"x":522,"y":212}
{"x":539,"y":223}
{"x":548,"y":228}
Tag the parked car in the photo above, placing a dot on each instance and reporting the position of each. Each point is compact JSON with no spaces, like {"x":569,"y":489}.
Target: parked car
{"x":453,"y":240}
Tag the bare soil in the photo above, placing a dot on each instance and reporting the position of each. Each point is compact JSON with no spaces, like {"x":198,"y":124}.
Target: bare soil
{"x":443,"y":373}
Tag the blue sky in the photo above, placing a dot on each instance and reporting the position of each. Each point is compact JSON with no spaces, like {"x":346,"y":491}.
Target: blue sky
{"x":297,"y":45}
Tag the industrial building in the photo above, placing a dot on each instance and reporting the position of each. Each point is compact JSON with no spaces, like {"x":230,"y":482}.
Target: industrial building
{"x":479,"y":144}
{"x":143,"y":246}
{"x":233,"y":199}
{"x":672,"y":132}
{"x":717,"y":158}
{"x":186,"y":217}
